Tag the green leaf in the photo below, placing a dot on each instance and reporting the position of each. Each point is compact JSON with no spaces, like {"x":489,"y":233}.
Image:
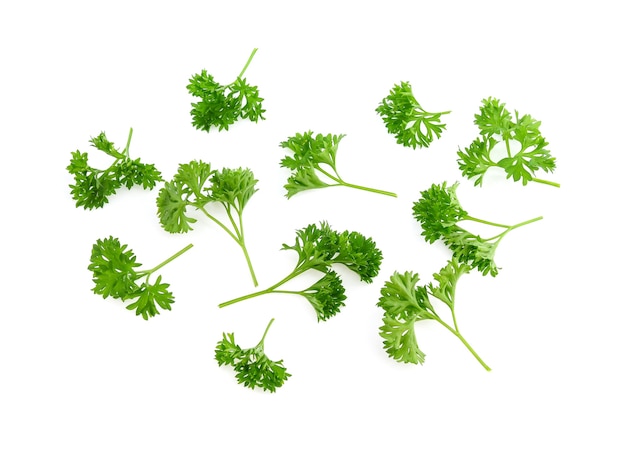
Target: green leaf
{"x":327,"y":295}
{"x":233,"y":187}
{"x":172,"y":208}
{"x":407,"y":121}
{"x":114,"y":269}
{"x":149,"y":296}
{"x":399,"y":340}
{"x":438,"y":210}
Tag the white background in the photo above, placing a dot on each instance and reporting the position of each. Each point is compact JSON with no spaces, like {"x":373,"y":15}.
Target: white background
{"x":79,"y":374}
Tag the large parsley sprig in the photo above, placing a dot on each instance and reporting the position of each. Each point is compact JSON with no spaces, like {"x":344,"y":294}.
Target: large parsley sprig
{"x":405,"y":303}
{"x":320,"y":248}
{"x":497,"y":126}
{"x":115,"y":274}
{"x":439,"y":212}
{"x":406,"y":120}
{"x":252,"y":366}
{"x":196,"y":185}
{"x":92,"y":187}
{"x":313,"y":163}
{"x":221,"y":105}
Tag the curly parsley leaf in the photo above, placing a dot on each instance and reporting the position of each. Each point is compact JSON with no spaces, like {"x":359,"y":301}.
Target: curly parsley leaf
{"x":497,"y":126}
{"x":405,"y":303}
{"x":252,"y":366}
{"x":439,"y":212}
{"x":313,"y":163}
{"x":197,"y":186}
{"x":407,"y":121}
{"x":222,"y":105}
{"x":92,"y":187}
{"x":319,"y":248}
{"x":115,"y":274}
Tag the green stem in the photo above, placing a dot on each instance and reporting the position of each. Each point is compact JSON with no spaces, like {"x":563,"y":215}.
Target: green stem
{"x":482,"y":221}
{"x":341,"y":182}
{"x":550,"y":183}
{"x":245,"y":250}
{"x":130,"y":135}
{"x":271,"y":289}
{"x":165,"y":262}
{"x":247,"y":63}
{"x":467,"y":345}
{"x":261,"y":342}
{"x":513,"y":227}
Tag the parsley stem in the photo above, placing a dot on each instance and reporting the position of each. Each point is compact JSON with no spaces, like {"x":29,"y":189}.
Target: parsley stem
{"x":127,"y":148}
{"x":271,"y":289}
{"x":165,"y":262}
{"x":247,"y":63}
{"x":551,"y":183}
{"x":467,"y":345}
{"x":341,"y":182}
{"x":262,"y":341}
{"x":482,"y":221}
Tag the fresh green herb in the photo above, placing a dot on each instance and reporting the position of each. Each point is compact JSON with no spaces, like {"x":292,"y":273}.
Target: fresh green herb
{"x":319,"y":248}
{"x":253,"y":367}
{"x":92,"y":187}
{"x":439,"y":212}
{"x":497,"y":126}
{"x":315,"y":156}
{"x":221,"y":105}
{"x":405,"y":118}
{"x":196,"y":185}
{"x":406,"y":303}
{"x":115,"y":274}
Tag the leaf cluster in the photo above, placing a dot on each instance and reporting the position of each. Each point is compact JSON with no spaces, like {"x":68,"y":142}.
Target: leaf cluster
{"x":116,"y":275}
{"x":92,"y":187}
{"x":313,"y":163}
{"x":496,"y":126}
{"x":196,"y":185}
{"x":405,"y":303}
{"x":439,"y":212}
{"x":319,"y":248}
{"x":406,"y":120}
{"x":252,"y":366}
{"x":222,"y":105}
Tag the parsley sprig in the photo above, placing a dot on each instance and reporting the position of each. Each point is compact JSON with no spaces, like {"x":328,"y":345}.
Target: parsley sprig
{"x":313,"y":163}
{"x":92,"y":187}
{"x":221,"y":105}
{"x":320,"y":248}
{"x":252,"y":366}
{"x":439,"y":212}
{"x":196,"y":185}
{"x":405,"y":303}
{"x":497,"y":126}
{"x":115,"y":274}
{"x":406,"y":120}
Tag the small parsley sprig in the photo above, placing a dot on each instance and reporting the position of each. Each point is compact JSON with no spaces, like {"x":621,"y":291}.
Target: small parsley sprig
{"x":405,"y":303}
{"x":497,"y":126}
{"x":197,"y":185}
{"x":92,"y":187}
{"x":253,"y":367}
{"x":314,"y":156}
{"x":320,"y":248}
{"x":221,"y":105}
{"x":115,"y":274}
{"x":405,"y":118}
{"x":439,"y":212}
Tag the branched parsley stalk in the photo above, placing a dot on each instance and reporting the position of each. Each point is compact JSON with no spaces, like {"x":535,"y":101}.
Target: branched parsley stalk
{"x":405,"y":118}
{"x":92,"y":187}
{"x":253,"y":367}
{"x":496,"y":125}
{"x":406,"y":303}
{"x":196,"y":185}
{"x":319,"y":248}
{"x":315,"y":156}
{"x":439,"y":212}
{"x":221,"y":105}
{"x":114,"y":273}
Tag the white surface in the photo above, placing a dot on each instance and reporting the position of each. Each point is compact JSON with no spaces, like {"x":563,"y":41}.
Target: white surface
{"x":79,"y":374}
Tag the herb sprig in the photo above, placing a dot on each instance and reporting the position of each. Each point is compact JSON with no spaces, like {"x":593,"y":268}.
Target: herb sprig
{"x":92,"y":187}
{"x":222,"y":105}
